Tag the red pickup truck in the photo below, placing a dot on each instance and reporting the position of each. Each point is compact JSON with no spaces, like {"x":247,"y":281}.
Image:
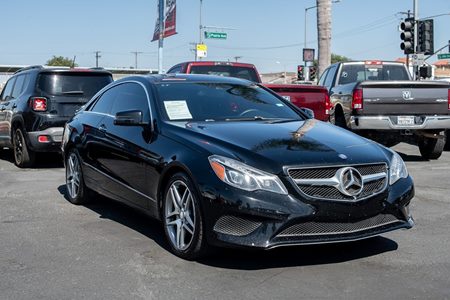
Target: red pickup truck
{"x":306,"y":96}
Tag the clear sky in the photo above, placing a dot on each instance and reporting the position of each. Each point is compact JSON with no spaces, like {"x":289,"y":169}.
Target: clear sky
{"x":268,"y":33}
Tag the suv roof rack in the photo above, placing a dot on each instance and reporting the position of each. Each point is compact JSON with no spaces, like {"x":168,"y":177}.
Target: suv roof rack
{"x":29,"y":68}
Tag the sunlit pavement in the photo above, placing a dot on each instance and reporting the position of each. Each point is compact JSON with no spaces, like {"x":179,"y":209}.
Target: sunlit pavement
{"x":51,"y":249}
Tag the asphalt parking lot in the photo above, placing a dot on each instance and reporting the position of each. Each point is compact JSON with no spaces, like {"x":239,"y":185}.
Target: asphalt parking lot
{"x":51,"y":249}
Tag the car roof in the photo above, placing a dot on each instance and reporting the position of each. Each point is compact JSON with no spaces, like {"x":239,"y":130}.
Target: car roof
{"x":57,"y":69}
{"x":162,"y":78}
{"x":218,"y":63}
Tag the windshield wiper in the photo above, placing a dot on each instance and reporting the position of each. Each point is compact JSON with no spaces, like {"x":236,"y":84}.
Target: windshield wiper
{"x":73,"y":93}
{"x":255,"y":118}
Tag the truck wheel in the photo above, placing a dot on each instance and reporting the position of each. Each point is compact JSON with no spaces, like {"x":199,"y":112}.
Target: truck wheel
{"x":431,"y":148}
{"x":339,"y":119}
{"x":447,"y":137}
{"x":23,"y":157}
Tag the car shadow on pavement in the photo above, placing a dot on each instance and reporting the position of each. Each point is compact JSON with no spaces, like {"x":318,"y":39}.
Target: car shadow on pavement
{"x":409,"y":157}
{"x":43,"y":160}
{"x":294,"y":256}
{"x":125,"y":215}
{"x":243,"y":258}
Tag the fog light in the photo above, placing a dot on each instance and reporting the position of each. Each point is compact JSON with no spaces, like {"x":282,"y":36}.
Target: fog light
{"x":43,"y":139}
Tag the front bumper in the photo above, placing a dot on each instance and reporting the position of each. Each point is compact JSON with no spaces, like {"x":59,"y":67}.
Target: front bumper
{"x":53,"y":135}
{"x":248,"y":221}
{"x":390,"y":122}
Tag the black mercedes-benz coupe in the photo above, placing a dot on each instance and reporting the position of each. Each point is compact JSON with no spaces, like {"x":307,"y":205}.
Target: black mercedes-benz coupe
{"x":226,"y":162}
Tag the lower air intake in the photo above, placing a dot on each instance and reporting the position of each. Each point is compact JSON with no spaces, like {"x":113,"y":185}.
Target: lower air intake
{"x":325,"y":228}
{"x":235,"y":226}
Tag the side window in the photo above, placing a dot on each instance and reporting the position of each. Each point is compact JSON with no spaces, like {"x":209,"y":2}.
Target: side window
{"x":6,"y":94}
{"x":105,"y":102}
{"x":18,"y":87}
{"x":131,"y":96}
{"x":330,"y":77}
{"x":322,"y":78}
{"x":176,"y":69}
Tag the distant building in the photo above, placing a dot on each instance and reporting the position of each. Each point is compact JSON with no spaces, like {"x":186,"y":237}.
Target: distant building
{"x":442,"y":69}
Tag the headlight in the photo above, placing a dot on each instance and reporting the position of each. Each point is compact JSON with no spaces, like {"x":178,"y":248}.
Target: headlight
{"x":397,"y":169}
{"x":245,"y":177}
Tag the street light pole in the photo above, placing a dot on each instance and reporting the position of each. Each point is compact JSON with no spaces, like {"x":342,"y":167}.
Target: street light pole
{"x":306,"y":70}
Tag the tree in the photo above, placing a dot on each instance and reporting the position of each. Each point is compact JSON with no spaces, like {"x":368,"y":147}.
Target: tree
{"x":324,"y":33}
{"x":335,"y":58}
{"x":339,"y":58}
{"x":60,"y":62}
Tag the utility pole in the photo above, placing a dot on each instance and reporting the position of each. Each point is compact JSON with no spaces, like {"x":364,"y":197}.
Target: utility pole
{"x":201,"y":26}
{"x":135,"y":58}
{"x":236,"y":58}
{"x":97,"y":56}
{"x":161,"y":36}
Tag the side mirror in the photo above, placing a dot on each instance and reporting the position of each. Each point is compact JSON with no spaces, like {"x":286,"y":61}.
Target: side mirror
{"x":129,"y":118}
{"x":308,"y":112}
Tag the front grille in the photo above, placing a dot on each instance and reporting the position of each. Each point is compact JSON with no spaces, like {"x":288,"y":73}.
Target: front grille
{"x":333,"y":228}
{"x":235,"y":226}
{"x":330,"y":192}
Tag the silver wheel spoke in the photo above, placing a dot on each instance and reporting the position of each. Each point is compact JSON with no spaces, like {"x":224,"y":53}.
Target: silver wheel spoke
{"x":179,"y":215}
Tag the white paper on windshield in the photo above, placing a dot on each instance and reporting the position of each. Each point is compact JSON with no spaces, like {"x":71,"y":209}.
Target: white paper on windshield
{"x":177,"y":110}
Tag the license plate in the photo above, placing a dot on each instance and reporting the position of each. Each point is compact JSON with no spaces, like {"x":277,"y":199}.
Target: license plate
{"x":405,"y":121}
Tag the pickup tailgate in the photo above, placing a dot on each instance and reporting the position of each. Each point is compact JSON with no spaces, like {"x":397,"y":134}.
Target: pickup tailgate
{"x":310,"y":96}
{"x":405,"y":97}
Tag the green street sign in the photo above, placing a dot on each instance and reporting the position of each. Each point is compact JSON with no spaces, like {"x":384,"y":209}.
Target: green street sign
{"x":444,"y":56}
{"x":215,"y":35}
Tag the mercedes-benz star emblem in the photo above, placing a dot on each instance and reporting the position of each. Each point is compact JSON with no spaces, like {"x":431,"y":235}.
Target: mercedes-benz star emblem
{"x":350,"y":181}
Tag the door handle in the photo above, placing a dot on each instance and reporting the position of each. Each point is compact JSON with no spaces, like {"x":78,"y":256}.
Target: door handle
{"x":102,"y":128}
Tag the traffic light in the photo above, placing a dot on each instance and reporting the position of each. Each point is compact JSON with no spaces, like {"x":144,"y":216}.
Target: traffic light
{"x":425,"y":71}
{"x":312,"y":73}
{"x":425,"y":43}
{"x":300,"y":72}
{"x":407,"y":36}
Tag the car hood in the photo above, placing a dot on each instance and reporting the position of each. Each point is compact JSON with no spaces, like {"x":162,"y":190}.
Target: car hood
{"x":272,"y":146}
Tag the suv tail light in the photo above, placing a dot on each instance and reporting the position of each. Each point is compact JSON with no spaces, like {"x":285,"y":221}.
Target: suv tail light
{"x":39,"y":103}
{"x":357,"y":101}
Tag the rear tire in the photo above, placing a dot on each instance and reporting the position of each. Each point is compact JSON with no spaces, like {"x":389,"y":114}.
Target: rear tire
{"x":182,"y":218}
{"x":339,"y":119}
{"x":23,"y":157}
{"x":431,"y":148}
{"x":447,"y":137}
{"x":77,"y":192}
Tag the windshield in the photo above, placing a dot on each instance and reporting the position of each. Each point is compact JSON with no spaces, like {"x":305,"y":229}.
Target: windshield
{"x":197,"y":101}
{"x":72,"y":83}
{"x":228,"y":71}
{"x":358,"y":72}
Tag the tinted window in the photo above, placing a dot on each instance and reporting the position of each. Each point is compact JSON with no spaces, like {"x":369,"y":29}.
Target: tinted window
{"x":130,"y":96}
{"x":176,"y":69}
{"x":330,"y":77}
{"x":88,"y":84}
{"x":359,"y":72}
{"x":8,"y":88}
{"x":224,"y":70}
{"x":18,"y":87}
{"x":220,"y":101}
{"x":105,"y":102}
{"x":322,"y":78}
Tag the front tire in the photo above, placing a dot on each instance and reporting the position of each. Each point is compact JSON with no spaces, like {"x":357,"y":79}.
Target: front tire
{"x":182,"y":218}
{"x":23,"y":157}
{"x":77,"y":192}
{"x":431,"y":148}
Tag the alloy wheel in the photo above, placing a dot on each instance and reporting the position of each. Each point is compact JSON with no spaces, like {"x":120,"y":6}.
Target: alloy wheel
{"x":18,"y":146}
{"x":73,"y":175}
{"x":179,"y":215}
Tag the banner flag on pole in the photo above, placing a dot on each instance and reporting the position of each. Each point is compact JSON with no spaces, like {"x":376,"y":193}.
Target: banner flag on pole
{"x":170,"y":20}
